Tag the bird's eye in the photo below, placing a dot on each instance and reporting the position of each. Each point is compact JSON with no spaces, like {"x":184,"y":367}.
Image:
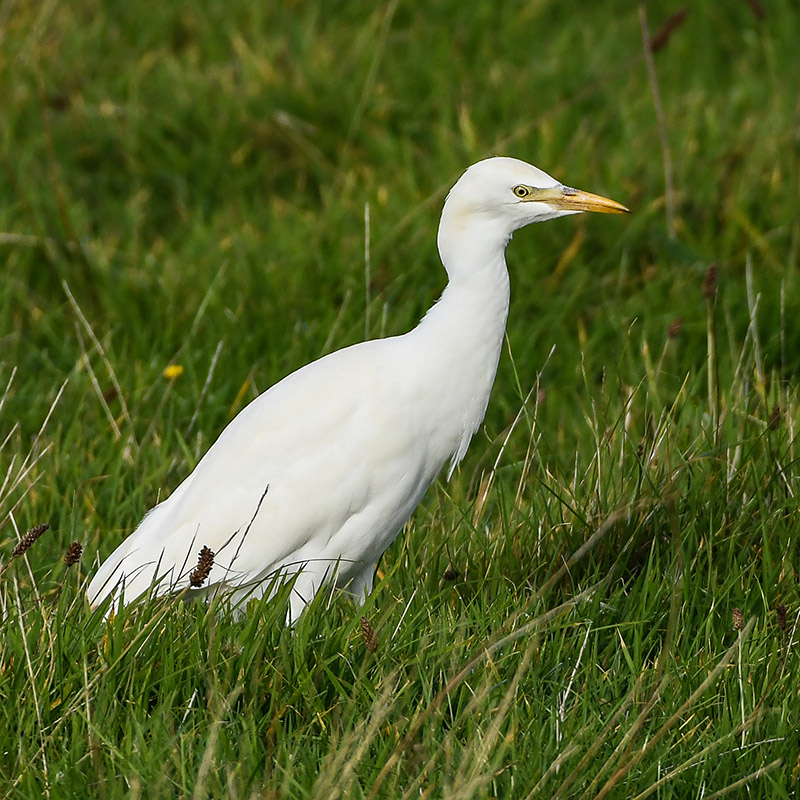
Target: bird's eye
{"x":521,"y":191}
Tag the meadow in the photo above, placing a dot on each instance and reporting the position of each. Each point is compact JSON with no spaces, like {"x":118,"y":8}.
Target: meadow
{"x":602,"y":602}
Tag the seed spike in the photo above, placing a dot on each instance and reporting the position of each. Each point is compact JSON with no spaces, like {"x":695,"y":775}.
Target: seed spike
{"x":204,"y":563}
{"x":675,"y":328}
{"x":710,"y":282}
{"x":73,"y":554}
{"x":369,"y":635}
{"x":27,"y":541}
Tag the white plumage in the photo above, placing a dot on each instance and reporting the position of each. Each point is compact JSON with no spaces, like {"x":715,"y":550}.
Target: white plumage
{"x":316,"y":477}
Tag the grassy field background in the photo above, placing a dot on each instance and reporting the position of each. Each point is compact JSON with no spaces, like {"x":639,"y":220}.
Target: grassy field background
{"x":603,"y":600}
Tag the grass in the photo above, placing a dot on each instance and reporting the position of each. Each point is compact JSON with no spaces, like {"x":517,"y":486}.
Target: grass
{"x":602,"y":601}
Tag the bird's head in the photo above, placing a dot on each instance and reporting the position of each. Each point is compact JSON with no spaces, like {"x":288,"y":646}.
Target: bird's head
{"x":508,"y":194}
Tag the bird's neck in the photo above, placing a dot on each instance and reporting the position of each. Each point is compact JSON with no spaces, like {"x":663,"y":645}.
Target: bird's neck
{"x":471,"y":314}
{"x":462,"y":334}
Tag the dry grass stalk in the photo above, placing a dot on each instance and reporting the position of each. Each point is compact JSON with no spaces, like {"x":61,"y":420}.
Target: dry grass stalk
{"x":669,"y":195}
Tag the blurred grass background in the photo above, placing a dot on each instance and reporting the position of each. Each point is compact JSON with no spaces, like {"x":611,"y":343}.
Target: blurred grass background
{"x":189,"y":185}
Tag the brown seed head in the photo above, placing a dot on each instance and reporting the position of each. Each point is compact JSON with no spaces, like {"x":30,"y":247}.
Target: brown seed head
{"x":450,"y":574}
{"x":26,"y":542}
{"x":205,"y":561}
{"x":674,"y":328}
{"x":780,"y":616}
{"x":738,"y":619}
{"x":758,"y":10}
{"x":73,"y":554}
{"x":664,"y":33}
{"x":710,"y":282}
{"x":774,"y":418}
{"x":369,"y":635}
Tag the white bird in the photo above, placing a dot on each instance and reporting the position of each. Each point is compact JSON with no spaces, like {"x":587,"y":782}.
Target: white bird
{"x":316,"y":477}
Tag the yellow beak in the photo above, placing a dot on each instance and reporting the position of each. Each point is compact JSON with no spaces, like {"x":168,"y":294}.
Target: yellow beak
{"x":577,"y":200}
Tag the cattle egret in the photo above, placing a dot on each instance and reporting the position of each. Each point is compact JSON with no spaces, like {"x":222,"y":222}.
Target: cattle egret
{"x":315,"y":478}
